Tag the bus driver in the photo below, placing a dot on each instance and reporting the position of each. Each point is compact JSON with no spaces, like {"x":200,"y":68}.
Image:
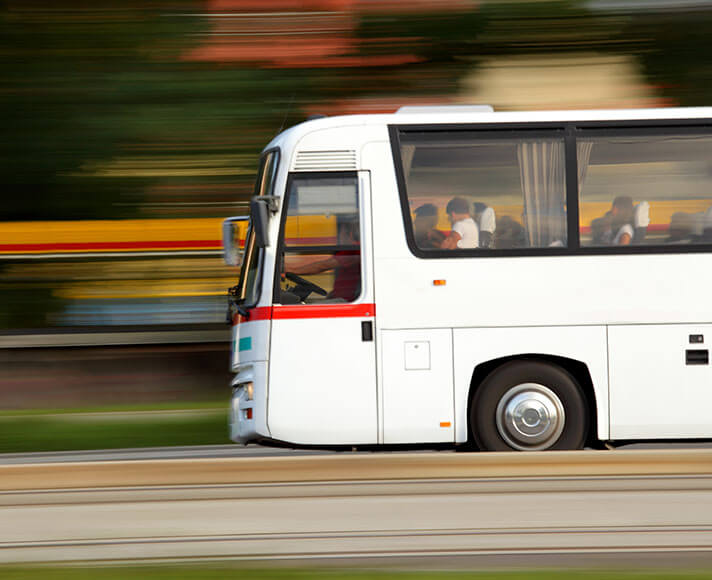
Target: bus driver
{"x":346,"y":264}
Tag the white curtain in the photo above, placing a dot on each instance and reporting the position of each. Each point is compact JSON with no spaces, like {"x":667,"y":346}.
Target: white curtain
{"x":407,"y":153}
{"x":583,"y":155}
{"x":541,"y":171}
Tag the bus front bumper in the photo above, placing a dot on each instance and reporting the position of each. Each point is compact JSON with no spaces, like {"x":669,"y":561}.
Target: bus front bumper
{"x":247,"y":406}
{"x":241,"y":417}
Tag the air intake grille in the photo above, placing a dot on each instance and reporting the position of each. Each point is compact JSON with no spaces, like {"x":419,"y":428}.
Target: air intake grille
{"x":325,"y":161}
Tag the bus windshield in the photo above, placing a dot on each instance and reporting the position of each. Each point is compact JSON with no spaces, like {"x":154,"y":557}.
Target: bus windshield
{"x":252,"y":264}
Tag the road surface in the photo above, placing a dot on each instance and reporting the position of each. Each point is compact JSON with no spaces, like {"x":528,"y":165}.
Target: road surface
{"x":571,"y":508}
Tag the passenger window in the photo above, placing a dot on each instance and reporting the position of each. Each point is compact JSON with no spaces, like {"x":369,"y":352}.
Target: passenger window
{"x":466,"y":191}
{"x":645,"y":189}
{"x":320,"y":258}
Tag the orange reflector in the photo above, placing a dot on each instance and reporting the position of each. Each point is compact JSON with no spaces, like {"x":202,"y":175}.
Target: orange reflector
{"x":248,"y":413}
{"x":445,"y":423}
{"x":439,"y":282}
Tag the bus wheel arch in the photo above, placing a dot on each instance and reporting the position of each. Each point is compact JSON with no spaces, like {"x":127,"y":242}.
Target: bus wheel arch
{"x":571,"y":379}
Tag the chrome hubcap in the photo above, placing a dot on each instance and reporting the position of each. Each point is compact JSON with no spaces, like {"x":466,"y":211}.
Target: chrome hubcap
{"x":530,"y":417}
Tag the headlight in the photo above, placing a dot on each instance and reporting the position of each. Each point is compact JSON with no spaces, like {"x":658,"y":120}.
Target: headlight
{"x":249,"y":390}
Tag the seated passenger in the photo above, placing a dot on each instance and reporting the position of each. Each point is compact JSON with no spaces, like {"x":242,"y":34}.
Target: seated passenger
{"x":601,"y":230}
{"x":486,"y":222}
{"x":427,"y":236}
{"x":509,"y":234}
{"x":464,"y":232}
{"x":688,"y":228}
{"x":683,"y":228}
{"x":616,"y":226}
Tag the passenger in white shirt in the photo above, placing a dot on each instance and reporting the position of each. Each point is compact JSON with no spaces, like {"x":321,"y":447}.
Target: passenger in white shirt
{"x":616,"y":226}
{"x":624,"y":235}
{"x":622,"y":220}
{"x":486,"y":222}
{"x":464,"y":232}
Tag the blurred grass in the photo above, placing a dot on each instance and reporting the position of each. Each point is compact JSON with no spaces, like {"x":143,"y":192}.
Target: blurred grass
{"x":222,"y":572}
{"x":218,"y":406}
{"x":25,"y":432}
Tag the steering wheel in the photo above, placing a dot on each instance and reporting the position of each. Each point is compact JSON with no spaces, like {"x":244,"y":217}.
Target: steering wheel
{"x":306,"y":284}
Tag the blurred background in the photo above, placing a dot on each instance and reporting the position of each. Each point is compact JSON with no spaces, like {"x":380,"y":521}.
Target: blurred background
{"x":130,"y":129}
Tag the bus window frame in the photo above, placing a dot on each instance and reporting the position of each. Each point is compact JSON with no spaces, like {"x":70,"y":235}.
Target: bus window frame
{"x":571,"y":130}
{"x":276,"y":286}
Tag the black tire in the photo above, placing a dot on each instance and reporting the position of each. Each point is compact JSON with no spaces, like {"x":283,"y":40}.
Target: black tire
{"x":548,"y":390}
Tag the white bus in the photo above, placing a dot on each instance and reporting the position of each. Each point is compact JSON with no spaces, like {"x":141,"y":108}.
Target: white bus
{"x":504,"y":280}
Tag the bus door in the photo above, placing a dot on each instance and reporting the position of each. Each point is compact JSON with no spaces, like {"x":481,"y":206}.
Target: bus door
{"x":322,"y":375}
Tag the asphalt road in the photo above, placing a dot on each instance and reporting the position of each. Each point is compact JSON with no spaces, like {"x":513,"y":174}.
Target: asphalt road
{"x":155,"y":453}
{"x":239,"y":451}
{"x":644,"y":508}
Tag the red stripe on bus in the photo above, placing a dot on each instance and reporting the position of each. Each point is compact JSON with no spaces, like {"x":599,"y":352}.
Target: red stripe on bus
{"x":323,"y":311}
{"x":260,"y":313}
{"x":307,"y":311}
{"x":104,"y":246}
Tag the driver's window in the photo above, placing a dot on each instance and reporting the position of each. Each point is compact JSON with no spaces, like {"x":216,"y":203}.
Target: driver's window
{"x":320,"y":259}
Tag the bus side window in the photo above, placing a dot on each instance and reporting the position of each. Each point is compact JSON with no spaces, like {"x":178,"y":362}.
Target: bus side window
{"x":653,"y":187}
{"x":469,"y":191}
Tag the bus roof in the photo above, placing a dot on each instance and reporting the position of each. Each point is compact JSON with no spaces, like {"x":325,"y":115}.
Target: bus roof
{"x":481,"y":114}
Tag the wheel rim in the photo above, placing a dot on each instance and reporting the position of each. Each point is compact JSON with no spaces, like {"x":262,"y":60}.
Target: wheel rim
{"x":530,"y":417}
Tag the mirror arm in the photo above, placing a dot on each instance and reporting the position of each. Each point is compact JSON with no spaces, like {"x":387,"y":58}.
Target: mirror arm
{"x":272,"y":202}
{"x":233,"y":305}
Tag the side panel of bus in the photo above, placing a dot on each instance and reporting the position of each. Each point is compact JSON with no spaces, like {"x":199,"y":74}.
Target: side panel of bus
{"x":637,"y":318}
{"x":661,"y":381}
{"x":415,"y":377}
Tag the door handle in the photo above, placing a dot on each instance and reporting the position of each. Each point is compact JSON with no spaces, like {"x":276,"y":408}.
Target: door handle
{"x":697,"y":357}
{"x":367,"y":331}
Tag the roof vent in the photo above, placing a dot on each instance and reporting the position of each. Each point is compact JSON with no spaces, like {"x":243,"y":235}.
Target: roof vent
{"x":344,"y":160}
{"x":451,"y":109}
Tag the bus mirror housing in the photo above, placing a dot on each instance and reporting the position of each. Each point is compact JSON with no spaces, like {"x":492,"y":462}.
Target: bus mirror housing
{"x":233,"y":232}
{"x":260,"y":208}
{"x":259,"y":219}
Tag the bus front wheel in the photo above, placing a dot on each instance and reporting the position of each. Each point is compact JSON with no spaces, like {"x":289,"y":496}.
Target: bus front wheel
{"x":529,"y":406}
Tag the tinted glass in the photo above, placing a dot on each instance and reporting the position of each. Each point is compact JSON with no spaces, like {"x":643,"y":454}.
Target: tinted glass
{"x":321,"y":257}
{"x":467,"y":192}
{"x":654,"y":190}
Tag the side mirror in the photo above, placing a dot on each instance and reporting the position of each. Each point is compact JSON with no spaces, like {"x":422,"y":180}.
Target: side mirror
{"x":259,"y":220}
{"x":234,"y":230}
